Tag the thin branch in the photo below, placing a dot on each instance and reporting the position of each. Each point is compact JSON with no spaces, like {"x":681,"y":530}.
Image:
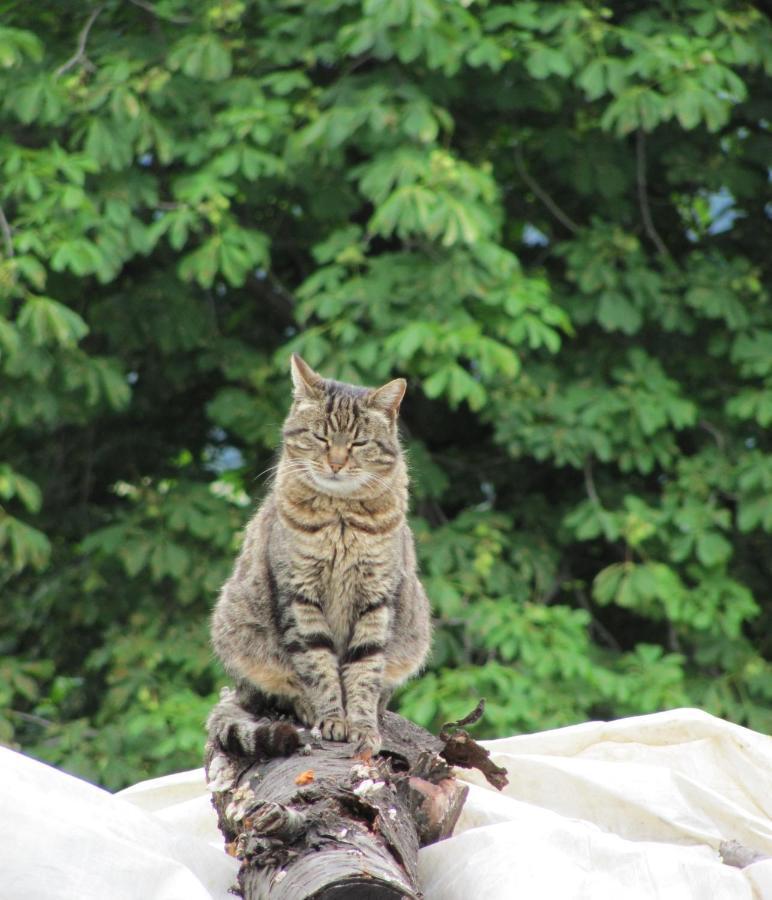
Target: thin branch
{"x":88,"y":469}
{"x":589,"y":482}
{"x":49,"y":724}
{"x":431,"y":510}
{"x":672,"y":638}
{"x":545,"y":198}
{"x":80,"y":54}
{"x":595,"y":624}
{"x":279,"y":297}
{"x":5,"y":228}
{"x":356,"y":64}
{"x":555,"y":588}
{"x":643,"y":197}
{"x":717,"y":436}
{"x":280,"y":288}
{"x":148,"y":7}
{"x":32,"y":718}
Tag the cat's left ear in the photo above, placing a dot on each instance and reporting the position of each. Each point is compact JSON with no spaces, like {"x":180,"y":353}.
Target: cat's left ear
{"x":388,"y":398}
{"x":307,"y":382}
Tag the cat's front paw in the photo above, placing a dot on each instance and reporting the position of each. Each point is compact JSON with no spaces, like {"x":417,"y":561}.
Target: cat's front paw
{"x":333,"y":728}
{"x":366,"y":737}
{"x":304,"y":712}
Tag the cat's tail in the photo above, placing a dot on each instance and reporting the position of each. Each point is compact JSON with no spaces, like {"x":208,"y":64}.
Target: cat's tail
{"x":240,"y":732}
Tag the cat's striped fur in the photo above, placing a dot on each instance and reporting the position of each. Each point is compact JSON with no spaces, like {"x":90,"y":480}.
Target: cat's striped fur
{"x":324,"y":613}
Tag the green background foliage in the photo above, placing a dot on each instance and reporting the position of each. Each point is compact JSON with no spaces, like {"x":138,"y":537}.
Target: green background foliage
{"x":549,"y":216}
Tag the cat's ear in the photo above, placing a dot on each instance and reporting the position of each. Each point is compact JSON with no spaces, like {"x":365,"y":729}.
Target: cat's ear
{"x":307,"y":382}
{"x":387,"y":398}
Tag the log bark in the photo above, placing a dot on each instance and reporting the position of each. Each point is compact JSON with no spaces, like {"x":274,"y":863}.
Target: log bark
{"x":323,"y":824}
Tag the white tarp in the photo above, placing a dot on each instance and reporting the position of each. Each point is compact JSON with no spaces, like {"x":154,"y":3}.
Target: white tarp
{"x":630,"y":809}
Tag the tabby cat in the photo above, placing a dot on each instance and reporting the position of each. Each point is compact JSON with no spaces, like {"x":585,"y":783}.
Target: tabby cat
{"x":324,"y":613}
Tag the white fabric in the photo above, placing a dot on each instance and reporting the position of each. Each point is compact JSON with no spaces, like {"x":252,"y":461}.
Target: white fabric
{"x":632,"y":809}
{"x":64,"y":839}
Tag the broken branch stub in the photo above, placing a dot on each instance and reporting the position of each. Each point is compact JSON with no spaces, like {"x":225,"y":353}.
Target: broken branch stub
{"x":462,"y":750}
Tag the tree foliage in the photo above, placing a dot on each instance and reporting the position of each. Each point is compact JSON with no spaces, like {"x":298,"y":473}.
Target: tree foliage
{"x":549,"y":216}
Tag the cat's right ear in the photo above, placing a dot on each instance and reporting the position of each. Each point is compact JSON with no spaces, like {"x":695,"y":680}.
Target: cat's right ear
{"x":308,"y":384}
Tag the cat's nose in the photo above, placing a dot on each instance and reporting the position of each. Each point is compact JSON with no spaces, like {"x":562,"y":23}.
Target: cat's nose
{"x":337,"y":455}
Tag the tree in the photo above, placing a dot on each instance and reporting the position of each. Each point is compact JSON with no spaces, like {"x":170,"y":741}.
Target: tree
{"x":549,"y":216}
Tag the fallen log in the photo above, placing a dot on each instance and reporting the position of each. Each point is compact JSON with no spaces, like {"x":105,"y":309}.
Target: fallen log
{"x":320,"y":823}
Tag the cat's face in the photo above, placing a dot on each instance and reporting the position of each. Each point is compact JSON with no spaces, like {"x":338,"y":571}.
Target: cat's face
{"x":340,"y":438}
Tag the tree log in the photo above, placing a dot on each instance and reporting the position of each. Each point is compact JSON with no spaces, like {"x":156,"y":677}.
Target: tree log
{"x":324,"y":824}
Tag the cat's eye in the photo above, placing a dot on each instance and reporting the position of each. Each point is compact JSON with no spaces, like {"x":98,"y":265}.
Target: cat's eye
{"x":320,"y":437}
{"x":359,"y":443}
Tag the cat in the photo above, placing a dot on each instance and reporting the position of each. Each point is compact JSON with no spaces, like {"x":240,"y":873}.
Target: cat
{"x":324,"y":614}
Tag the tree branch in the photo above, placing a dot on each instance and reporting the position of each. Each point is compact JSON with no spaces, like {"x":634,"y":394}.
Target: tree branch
{"x":643,"y":197}
{"x":595,"y":624}
{"x":717,"y":436}
{"x":545,"y":198}
{"x":589,"y":482}
{"x":80,"y":53}
{"x":281,"y":289}
{"x":5,"y":228}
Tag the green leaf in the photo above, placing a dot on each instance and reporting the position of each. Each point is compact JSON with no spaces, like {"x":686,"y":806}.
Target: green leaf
{"x":107,"y":144}
{"x":616,"y":313}
{"x":16,"y":44}
{"x":29,"y":547}
{"x":134,"y":556}
{"x":544,"y":61}
{"x":202,"y":56}
{"x":755,"y":513}
{"x":592,"y":80}
{"x":414,"y":336}
{"x":168,"y":559}
{"x":202,"y":264}
{"x":14,"y":485}
{"x":713,"y":549}
{"x":608,"y":581}
{"x":112,"y":383}
{"x":437,"y":382}
{"x":47,"y":321}
{"x":80,"y":256}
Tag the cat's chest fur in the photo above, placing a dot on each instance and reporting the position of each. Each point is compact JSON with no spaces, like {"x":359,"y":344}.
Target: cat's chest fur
{"x":343,"y":567}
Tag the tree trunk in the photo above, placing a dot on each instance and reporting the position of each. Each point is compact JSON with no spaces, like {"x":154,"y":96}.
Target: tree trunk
{"x":322,"y":824}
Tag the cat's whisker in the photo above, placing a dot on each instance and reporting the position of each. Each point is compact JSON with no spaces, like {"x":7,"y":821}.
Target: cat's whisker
{"x":387,"y":486}
{"x":291,"y":466}
{"x":292,"y":463}
{"x":267,"y":471}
